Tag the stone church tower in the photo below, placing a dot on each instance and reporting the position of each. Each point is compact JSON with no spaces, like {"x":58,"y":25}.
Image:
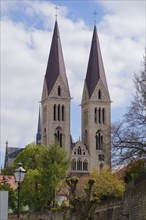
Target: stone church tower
{"x":56,"y":98}
{"x":96,"y":109}
{"x":94,"y":150}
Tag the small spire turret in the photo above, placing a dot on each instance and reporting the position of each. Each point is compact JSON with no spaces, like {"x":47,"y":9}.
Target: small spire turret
{"x":38,"y":135}
{"x":6,"y":155}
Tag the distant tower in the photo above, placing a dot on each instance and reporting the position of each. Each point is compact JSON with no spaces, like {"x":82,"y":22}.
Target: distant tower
{"x":96,"y":109}
{"x":56,"y":98}
{"x":6,"y":155}
{"x":38,"y":135}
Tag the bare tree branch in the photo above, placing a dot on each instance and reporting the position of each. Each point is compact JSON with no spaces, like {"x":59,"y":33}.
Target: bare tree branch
{"x":129,"y":136}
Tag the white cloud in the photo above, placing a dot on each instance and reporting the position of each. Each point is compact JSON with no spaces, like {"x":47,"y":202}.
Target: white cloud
{"x":122,"y":40}
{"x":25,"y":50}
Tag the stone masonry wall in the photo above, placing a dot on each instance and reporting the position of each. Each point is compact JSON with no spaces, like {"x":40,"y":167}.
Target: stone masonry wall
{"x":131,"y":207}
{"x":134,"y":200}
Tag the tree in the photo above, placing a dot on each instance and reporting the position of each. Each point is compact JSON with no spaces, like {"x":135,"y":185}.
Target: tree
{"x":7,"y":171}
{"x":12,"y":196}
{"x":129,"y":136}
{"x":84,"y":192}
{"x":30,"y":157}
{"x":54,"y":165}
{"x":45,"y":169}
{"x":136,"y":168}
{"x":106,"y":184}
{"x":31,"y":190}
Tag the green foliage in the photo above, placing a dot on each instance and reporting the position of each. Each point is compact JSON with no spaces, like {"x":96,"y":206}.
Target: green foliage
{"x":136,"y":168}
{"x":84,"y":192}
{"x":98,"y":185}
{"x":106,"y":184}
{"x":7,"y":171}
{"x":30,"y":157}
{"x":31,"y":190}
{"x":12,"y":197}
{"x":46,"y":167}
{"x":54,"y":166}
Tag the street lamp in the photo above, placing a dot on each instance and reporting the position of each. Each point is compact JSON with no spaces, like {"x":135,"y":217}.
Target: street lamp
{"x":19,"y":174}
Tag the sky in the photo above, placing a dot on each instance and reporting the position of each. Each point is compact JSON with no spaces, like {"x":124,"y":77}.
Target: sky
{"x":26,"y":34}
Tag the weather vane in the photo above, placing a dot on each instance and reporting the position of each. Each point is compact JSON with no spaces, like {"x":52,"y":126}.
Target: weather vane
{"x":95,"y":16}
{"x":56,"y":15}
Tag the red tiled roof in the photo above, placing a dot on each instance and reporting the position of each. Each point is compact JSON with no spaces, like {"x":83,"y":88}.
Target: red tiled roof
{"x":8,"y":180}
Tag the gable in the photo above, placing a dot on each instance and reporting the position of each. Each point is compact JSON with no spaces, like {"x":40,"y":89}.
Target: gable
{"x":64,"y":92}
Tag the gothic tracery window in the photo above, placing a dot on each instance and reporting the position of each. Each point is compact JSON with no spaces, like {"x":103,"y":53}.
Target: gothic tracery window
{"x":99,"y":141}
{"x":79,"y":151}
{"x":79,"y":164}
{"x":85,"y":165}
{"x":58,"y":137}
{"x":73,"y":164}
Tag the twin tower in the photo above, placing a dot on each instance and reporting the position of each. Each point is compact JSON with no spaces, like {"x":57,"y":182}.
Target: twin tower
{"x":93,"y":151}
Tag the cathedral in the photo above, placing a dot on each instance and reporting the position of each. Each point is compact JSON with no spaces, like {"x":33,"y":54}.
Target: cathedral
{"x":93,"y":150}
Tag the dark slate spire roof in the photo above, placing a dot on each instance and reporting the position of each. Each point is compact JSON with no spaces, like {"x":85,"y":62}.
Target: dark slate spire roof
{"x":38,"y":135}
{"x":55,"y":66}
{"x":95,"y":70}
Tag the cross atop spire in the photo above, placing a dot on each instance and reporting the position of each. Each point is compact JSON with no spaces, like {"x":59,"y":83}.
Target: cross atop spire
{"x":56,"y":14}
{"x":95,"y":15}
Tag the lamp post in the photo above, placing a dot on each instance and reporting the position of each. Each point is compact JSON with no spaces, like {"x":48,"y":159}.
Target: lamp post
{"x":19,"y":174}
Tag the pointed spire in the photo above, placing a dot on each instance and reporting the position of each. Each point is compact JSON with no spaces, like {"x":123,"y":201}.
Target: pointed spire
{"x":95,"y":70}
{"x":38,"y":135}
{"x":55,"y":66}
{"x":6,"y":155}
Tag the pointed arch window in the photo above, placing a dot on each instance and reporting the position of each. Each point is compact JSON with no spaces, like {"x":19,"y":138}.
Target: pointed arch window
{"x":99,"y":141}
{"x":101,"y":157}
{"x":62,"y":112}
{"x":86,"y":138}
{"x":79,"y":164}
{"x":95,"y":115}
{"x":103,"y":115}
{"x":59,"y":91}
{"x":44,"y":133}
{"x":79,"y":151}
{"x":54,"y":112}
{"x":99,"y":94}
{"x":45,"y":136}
{"x":85,"y":165}
{"x":99,"y":115}
{"x":58,"y":112}
{"x":73,"y":164}
{"x":58,"y":137}
{"x":101,"y":166}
